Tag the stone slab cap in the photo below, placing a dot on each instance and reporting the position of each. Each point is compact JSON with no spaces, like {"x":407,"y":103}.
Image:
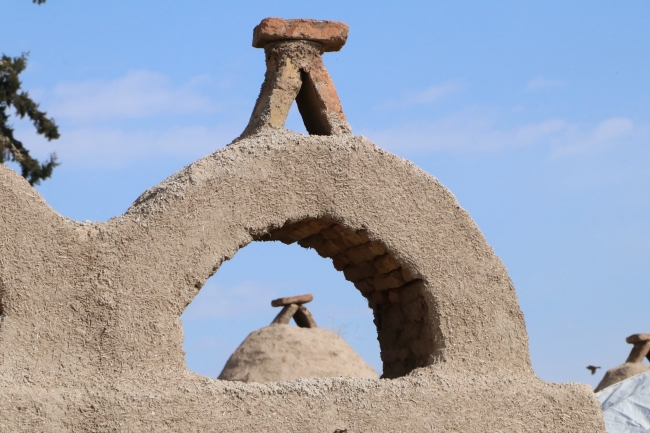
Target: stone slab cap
{"x":641,"y":348}
{"x":330,"y":34}
{"x":638,"y":338}
{"x":298,"y":300}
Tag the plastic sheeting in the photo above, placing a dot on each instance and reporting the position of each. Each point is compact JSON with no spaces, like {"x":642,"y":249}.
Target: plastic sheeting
{"x":626,"y":405}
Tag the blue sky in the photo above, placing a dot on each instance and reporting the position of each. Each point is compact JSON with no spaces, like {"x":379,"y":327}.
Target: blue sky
{"x":535,"y":115}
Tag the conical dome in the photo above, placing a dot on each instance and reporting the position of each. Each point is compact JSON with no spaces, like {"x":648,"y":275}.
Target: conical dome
{"x":281,"y":352}
{"x":633,"y":365}
{"x":278,"y":353}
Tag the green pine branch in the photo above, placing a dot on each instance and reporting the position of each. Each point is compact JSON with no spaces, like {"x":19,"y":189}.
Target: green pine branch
{"x":12,"y":149}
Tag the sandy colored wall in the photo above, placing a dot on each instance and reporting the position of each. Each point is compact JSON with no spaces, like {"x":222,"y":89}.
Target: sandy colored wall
{"x":91,"y":340}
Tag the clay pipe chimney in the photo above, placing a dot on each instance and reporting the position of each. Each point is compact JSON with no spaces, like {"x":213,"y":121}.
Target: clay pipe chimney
{"x":293,"y":307}
{"x":295,"y":71}
{"x":641,"y":348}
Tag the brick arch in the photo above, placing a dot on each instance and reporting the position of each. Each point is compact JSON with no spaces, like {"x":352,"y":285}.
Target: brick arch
{"x":396,"y":296}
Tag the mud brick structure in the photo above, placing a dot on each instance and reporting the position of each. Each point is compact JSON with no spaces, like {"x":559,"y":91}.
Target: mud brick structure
{"x":633,"y":365}
{"x":90,"y":336}
{"x":295,"y":72}
{"x":282,"y":353}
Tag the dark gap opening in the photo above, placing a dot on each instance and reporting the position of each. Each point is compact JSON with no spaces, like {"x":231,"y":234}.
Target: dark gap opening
{"x":311,"y":107}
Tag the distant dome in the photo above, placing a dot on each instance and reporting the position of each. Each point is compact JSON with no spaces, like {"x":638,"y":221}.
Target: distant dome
{"x":633,"y":365}
{"x":281,"y":352}
{"x":622,"y":372}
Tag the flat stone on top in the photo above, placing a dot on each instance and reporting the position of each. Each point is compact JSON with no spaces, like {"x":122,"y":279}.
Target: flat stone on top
{"x":298,"y":300}
{"x":331,"y":34}
{"x":637,"y":338}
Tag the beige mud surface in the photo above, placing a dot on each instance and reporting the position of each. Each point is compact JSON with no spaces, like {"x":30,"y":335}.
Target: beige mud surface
{"x":280,"y":353}
{"x":91,"y":340}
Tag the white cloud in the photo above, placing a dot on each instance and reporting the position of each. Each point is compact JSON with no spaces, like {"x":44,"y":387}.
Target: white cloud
{"x":464,"y":133}
{"x":422,"y":97}
{"x":541,"y":83}
{"x":613,"y":128}
{"x":138,"y":94}
{"x":115,"y":147}
{"x":82,"y":109}
{"x":142,"y":93}
{"x":245,"y":299}
{"x":87,"y":139}
{"x":472,"y":133}
{"x":606,"y":134}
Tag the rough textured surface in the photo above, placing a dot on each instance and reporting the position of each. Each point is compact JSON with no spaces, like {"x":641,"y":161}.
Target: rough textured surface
{"x":331,"y":35}
{"x":90,"y":337}
{"x":280,"y":353}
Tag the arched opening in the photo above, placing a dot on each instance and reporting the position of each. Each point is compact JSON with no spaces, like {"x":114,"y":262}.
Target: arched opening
{"x":236,"y":302}
{"x":393,"y":294}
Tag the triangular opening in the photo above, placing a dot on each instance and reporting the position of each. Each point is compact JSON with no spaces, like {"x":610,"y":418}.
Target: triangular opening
{"x":311,"y":107}
{"x":307,"y":114}
{"x":294,"y":120}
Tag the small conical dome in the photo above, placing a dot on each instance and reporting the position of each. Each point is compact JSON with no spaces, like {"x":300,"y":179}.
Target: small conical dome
{"x":633,"y":365}
{"x":278,"y":353}
{"x":281,"y":352}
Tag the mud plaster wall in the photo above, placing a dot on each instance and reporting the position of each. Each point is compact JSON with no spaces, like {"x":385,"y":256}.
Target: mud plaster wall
{"x":91,"y":340}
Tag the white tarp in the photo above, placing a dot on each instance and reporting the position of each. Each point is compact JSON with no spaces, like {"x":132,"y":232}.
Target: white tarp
{"x":626,"y":405}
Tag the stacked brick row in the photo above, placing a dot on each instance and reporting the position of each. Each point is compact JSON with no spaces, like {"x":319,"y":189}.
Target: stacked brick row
{"x":394,"y":294}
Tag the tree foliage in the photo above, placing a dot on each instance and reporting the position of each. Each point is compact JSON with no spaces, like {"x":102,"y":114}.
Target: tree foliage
{"x":11,"y":97}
